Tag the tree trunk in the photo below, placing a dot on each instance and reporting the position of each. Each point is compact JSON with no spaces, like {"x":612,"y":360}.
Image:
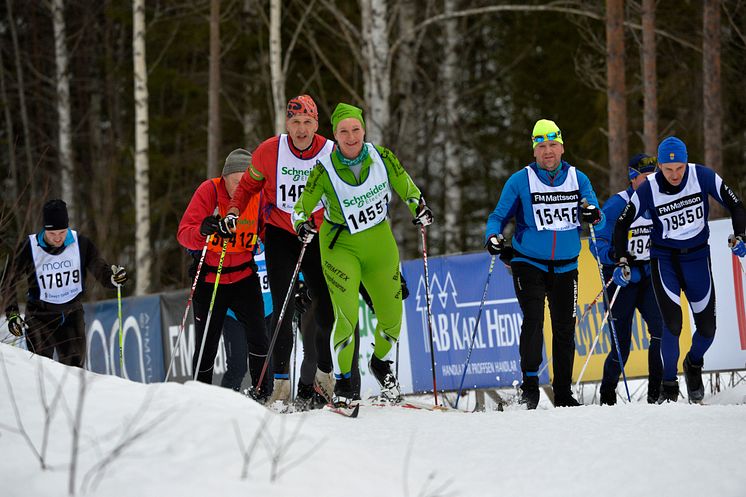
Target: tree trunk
{"x":713,"y":109}
{"x":14,"y":176}
{"x":31,"y":179}
{"x":275,"y":65}
{"x":649,"y":78}
{"x":213,"y":119}
{"x":64,"y":132}
{"x":452,"y":210}
{"x":616,"y":105}
{"x":377,"y":71}
{"x":142,"y":187}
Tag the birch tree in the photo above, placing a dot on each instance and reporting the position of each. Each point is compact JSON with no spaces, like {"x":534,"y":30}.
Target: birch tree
{"x":64,"y":131}
{"x":275,"y":63}
{"x":713,"y":109}
{"x":377,"y":67}
{"x":452,"y":176}
{"x":142,"y":186}
{"x":649,"y":78}
{"x":616,"y":102}
{"x":213,"y":96}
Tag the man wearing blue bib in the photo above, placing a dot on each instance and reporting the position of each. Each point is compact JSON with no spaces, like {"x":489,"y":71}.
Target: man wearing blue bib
{"x":676,"y":199}
{"x":545,"y":200}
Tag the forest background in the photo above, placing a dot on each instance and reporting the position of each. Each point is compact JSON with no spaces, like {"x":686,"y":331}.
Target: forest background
{"x":123,"y":108}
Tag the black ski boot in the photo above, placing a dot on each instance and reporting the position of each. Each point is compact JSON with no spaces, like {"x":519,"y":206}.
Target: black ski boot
{"x":693,"y":378}
{"x":608,"y":395}
{"x":669,"y":391}
{"x":259,"y":396}
{"x":343,"y":394}
{"x":530,"y":392}
{"x":654,"y":390}
{"x":381,"y":370}
{"x":307,"y":399}
{"x":565,"y":399}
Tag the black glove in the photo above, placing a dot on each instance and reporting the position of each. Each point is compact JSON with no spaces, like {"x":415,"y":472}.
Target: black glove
{"x":306,"y":231}
{"x":16,"y":324}
{"x":302,"y":298}
{"x":118,"y":275}
{"x":495,"y":244}
{"x":590,"y":214}
{"x":423,"y":216}
{"x":227,"y":226}
{"x":209,"y":225}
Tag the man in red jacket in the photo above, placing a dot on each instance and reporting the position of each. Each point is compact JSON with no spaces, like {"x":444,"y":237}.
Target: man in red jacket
{"x":239,"y":287}
{"x":279,"y":169}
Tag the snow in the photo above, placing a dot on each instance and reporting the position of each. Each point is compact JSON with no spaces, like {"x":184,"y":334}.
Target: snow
{"x":192,"y":448}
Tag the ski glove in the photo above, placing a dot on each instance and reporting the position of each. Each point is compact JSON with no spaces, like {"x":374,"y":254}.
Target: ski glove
{"x":306,"y":232}
{"x":737,"y":245}
{"x":590,"y":214}
{"x":16,"y":324}
{"x":209,"y":225}
{"x":118,"y":275}
{"x":227,"y":226}
{"x":495,"y":244}
{"x":423,"y":216}
{"x":622,"y":273}
{"x":302,"y":298}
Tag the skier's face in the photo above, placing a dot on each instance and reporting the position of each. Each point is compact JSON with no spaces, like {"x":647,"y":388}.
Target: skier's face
{"x":639,"y":179}
{"x":55,"y":238}
{"x":301,"y":129}
{"x":231,"y":182}
{"x":350,"y":136}
{"x":548,"y":154}
{"x":673,"y":172}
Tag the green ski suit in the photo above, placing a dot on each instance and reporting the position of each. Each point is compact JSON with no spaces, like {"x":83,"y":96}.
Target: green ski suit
{"x":369,"y":255}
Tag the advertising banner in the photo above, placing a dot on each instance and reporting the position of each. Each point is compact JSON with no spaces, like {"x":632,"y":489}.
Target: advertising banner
{"x":141,"y":337}
{"x":457,"y":285}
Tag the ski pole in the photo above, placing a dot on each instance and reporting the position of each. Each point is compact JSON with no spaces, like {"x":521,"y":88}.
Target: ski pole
{"x":429,"y":313}
{"x":474,"y":331}
{"x":606,"y":298}
{"x":581,"y":319}
{"x":188,"y":305}
{"x":732,"y":243}
{"x":281,"y":316}
{"x":114,"y":270}
{"x":598,"y":334}
{"x":212,"y":304}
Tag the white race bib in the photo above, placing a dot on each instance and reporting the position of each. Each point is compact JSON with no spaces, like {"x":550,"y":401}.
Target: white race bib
{"x":365,"y":205}
{"x":682,"y":214}
{"x":292,"y":174}
{"x":555,"y":208}
{"x":59,"y":276}
{"x":638,"y":236}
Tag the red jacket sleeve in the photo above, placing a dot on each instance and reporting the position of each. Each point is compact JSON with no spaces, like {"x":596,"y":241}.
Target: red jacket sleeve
{"x":248,"y":186}
{"x":203,"y":204}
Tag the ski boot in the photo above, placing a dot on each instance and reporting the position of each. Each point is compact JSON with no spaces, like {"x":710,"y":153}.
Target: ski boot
{"x":693,"y":378}
{"x":564,"y":398}
{"x":669,"y":391}
{"x":381,"y":370}
{"x":323,"y":383}
{"x":307,"y":399}
{"x":654,"y":390}
{"x":280,"y":393}
{"x":343,"y":394}
{"x":530,"y":392}
{"x":260,"y":396}
{"x":608,"y":395}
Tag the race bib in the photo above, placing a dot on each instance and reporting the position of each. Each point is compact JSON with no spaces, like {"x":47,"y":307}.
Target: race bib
{"x":682,"y":215}
{"x":292,"y":174}
{"x":59,"y":276}
{"x":555,"y":208}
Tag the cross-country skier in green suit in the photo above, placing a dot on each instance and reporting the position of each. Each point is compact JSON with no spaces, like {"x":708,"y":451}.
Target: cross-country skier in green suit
{"x":355,"y":183}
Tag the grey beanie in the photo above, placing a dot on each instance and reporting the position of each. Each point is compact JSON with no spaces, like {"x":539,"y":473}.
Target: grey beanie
{"x":237,"y":162}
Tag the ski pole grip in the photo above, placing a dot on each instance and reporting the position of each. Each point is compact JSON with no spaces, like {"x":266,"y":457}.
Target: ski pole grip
{"x":584,"y":203}
{"x":731,"y":240}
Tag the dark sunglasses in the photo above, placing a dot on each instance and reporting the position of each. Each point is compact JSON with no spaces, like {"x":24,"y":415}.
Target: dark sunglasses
{"x":549,"y":136}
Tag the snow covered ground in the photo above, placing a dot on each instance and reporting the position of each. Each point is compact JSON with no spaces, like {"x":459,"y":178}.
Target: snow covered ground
{"x":190,"y":440}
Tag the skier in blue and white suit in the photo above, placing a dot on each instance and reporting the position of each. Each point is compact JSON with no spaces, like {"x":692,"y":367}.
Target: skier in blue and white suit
{"x":676,"y":198}
{"x":637,"y":293}
{"x":545,"y":197}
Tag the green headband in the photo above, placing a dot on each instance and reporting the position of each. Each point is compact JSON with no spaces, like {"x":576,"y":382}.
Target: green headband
{"x":344,"y":111}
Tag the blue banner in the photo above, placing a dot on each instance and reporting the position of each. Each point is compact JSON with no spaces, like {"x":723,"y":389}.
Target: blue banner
{"x":141,"y":330}
{"x":457,"y":285}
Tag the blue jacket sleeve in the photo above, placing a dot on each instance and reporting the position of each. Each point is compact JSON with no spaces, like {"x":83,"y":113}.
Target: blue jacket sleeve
{"x":612,"y":209}
{"x":507,"y":205}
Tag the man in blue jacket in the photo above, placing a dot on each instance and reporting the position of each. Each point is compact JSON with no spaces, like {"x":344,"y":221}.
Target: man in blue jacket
{"x":676,"y":198}
{"x":545,"y":198}
{"x":637,"y":292}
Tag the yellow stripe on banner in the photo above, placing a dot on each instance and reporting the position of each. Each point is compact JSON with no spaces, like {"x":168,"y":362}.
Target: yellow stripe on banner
{"x":589,"y":285}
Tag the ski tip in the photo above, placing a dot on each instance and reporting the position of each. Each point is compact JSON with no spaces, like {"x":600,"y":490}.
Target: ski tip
{"x":346,"y":412}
